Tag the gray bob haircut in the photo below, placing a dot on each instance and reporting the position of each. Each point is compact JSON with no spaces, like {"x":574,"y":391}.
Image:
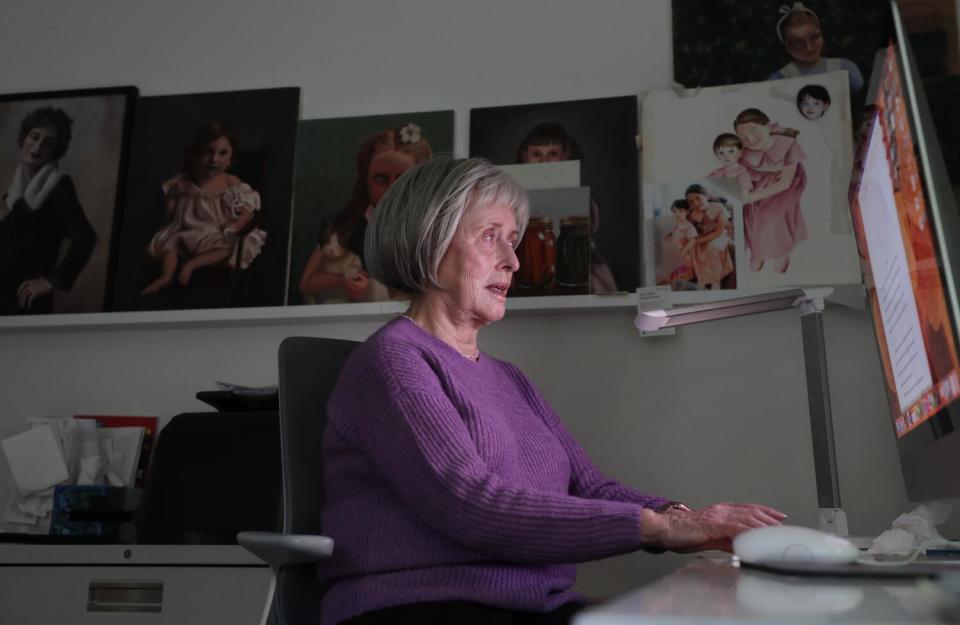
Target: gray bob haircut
{"x":415,"y":220}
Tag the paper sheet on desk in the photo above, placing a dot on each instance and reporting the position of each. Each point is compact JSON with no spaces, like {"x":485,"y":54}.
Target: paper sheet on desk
{"x":249,"y":391}
{"x":35,"y":459}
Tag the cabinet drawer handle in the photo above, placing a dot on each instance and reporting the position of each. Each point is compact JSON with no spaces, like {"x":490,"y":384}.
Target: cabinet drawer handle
{"x":125,"y":596}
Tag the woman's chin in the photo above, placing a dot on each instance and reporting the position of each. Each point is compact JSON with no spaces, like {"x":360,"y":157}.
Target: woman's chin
{"x":493,"y":313}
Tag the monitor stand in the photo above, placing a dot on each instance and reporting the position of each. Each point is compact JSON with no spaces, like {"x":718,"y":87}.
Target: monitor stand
{"x":834,"y":521}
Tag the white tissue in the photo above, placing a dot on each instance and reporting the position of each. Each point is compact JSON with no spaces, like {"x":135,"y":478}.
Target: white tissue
{"x":912,"y":531}
{"x":91,"y":471}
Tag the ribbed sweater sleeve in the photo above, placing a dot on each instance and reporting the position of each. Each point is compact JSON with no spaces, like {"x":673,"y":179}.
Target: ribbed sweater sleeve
{"x":404,"y":414}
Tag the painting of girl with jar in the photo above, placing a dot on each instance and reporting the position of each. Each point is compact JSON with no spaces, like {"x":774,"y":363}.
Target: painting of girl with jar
{"x":601,"y":135}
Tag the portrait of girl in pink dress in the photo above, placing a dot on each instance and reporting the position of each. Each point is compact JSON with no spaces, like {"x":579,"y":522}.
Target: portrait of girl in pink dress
{"x":208,"y":212}
{"x":774,"y":223}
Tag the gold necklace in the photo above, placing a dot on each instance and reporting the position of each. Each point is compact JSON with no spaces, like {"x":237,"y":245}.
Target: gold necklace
{"x":474,"y":356}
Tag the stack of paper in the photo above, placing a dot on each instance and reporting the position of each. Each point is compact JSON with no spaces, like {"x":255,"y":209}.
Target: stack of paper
{"x":35,"y":459}
{"x":100,"y":451}
{"x":37,"y":464}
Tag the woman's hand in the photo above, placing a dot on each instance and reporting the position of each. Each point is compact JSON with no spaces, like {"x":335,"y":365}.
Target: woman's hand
{"x":713,"y":527}
{"x":31,"y":290}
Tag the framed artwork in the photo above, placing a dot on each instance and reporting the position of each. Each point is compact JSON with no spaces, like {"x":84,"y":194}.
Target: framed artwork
{"x":601,"y":134}
{"x":344,"y":166}
{"x":206,"y":214}
{"x":745,"y":186}
{"x":738,"y":41}
{"x":62,"y":160}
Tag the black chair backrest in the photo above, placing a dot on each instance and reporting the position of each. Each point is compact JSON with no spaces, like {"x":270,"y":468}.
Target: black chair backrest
{"x":309,"y":369}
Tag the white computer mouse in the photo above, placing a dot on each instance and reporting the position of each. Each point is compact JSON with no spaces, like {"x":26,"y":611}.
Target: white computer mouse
{"x":789,"y":543}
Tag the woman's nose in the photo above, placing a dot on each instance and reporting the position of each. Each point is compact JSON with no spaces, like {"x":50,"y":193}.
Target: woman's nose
{"x":511,"y":261}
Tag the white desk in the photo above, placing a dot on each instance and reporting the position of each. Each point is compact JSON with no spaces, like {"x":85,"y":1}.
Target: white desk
{"x":131,"y":585}
{"x":713,"y":590}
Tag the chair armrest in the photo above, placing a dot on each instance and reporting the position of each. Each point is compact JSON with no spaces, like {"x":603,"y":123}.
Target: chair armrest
{"x":278,"y":549}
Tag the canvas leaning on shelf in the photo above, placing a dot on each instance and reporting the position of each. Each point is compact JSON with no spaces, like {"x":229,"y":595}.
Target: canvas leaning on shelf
{"x":206,"y":213}
{"x":599,"y":133}
{"x":62,"y":167}
{"x":344,"y":166}
{"x":744,"y":187}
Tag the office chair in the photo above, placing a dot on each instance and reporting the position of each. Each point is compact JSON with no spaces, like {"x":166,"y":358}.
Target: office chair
{"x":309,"y":368}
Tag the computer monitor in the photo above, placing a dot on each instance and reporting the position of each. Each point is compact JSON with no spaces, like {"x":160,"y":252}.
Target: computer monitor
{"x":908,"y":235}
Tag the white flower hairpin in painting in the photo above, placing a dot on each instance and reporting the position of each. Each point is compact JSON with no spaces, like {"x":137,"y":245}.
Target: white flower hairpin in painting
{"x":410,"y":133}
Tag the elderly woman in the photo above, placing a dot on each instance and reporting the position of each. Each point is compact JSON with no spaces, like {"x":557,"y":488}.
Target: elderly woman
{"x":38,"y":213}
{"x":453,"y":490}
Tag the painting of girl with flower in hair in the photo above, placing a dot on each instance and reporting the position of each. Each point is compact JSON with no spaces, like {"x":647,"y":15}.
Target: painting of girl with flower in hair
{"x":344,"y":166}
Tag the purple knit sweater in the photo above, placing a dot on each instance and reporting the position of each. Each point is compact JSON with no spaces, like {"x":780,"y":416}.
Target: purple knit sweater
{"x":449,"y":479}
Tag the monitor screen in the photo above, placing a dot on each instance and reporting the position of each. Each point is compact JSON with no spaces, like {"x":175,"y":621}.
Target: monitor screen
{"x":907,"y":230}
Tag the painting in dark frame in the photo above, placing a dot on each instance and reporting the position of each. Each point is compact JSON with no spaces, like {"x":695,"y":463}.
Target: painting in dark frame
{"x":206,"y":215}
{"x":63,"y":157}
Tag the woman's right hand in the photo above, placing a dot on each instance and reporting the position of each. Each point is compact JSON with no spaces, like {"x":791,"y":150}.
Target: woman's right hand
{"x":712,"y":527}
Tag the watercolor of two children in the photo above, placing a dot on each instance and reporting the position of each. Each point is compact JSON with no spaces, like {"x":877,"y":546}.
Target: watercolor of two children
{"x":767,"y":163}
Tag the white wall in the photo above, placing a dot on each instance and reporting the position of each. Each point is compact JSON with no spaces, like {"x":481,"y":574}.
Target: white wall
{"x":716,"y":412}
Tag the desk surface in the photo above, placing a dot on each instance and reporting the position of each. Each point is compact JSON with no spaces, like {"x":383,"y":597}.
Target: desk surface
{"x":715,"y":590}
{"x":14,"y":554}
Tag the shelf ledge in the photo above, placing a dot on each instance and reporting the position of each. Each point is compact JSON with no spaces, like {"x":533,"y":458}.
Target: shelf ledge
{"x":848,"y":295}
{"x":278,"y":315}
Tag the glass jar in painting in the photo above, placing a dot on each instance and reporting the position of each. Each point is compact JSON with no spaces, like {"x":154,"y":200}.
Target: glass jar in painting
{"x":573,"y":252}
{"x":537,"y":254}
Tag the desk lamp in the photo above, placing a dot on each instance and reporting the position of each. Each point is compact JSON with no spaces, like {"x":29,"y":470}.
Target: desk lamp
{"x":810,"y":302}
